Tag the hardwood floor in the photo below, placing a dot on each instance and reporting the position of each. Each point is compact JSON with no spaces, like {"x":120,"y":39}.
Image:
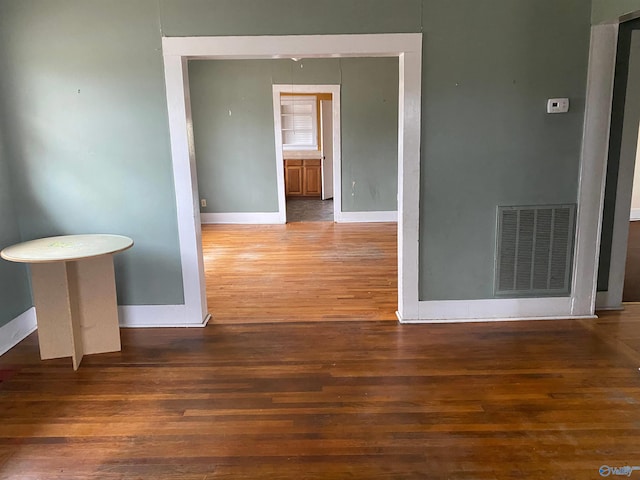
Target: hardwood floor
{"x":301,"y":272}
{"x":631,"y":290}
{"x":364,"y":400}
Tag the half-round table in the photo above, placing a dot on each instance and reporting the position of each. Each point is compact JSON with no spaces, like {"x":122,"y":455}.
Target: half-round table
{"x":74,"y":290}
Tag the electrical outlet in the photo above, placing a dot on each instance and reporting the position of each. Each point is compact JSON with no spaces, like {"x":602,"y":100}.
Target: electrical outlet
{"x":203,"y":202}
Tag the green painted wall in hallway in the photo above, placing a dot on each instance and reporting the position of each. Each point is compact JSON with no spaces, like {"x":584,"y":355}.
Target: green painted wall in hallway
{"x":233,"y":129}
{"x":487,"y":139}
{"x":88,"y":139}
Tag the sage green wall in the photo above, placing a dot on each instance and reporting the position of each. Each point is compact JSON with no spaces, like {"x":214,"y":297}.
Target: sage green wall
{"x":82,"y":82}
{"x":233,"y":131}
{"x":88,"y":139}
{"x":234,"y":138}
{"x":486,"y":137}
{"x":288,"y":17}
{"x":604,"y":11}
{"x":369,"y":134}
{"x":15,"y":296}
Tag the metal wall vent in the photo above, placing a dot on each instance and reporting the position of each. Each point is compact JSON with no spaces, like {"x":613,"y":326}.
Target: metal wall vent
{"x":534,"y":250}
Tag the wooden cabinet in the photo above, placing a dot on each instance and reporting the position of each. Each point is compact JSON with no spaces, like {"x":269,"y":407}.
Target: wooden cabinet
{"x":312,"y":181}
{"x":293,"y":178}
{"x":302,"y":178}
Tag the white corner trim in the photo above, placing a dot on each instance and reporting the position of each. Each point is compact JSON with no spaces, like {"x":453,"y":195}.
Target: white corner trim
{"x":373,"y":217}
{"x":635,"y":214}
{"x":146,"y":316}
{"x":186,"y":187}
{"x":243,"y":218}
{"x":17,"y":330}
{"x":409,"y":138}
{"x":501,"y":309}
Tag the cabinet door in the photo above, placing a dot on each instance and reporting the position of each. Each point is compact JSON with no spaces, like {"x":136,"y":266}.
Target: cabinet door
{"x":293,"y":180}
{"x":312,"y":181}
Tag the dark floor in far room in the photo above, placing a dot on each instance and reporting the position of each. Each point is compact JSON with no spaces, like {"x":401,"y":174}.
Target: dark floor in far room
{"x":309,"y":209}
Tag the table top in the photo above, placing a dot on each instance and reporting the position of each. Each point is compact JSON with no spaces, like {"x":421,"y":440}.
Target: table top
{"x":66,"y":248}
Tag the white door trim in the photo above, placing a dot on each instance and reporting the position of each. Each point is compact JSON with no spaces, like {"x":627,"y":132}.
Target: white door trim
{"x":186,"y":190}
{"x":327,"y":168}
{"x":334,"y":90}
{"x":595,"y":148}
{"x":407,"y":47}
{"x":611,"y":299}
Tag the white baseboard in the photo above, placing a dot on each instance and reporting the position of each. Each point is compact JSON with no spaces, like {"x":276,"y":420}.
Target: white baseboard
{"x":131,"y":316}
{"x":635,"y":214}
{"x":492,"y":310}
{"x":243,"y":218}
{"x":17,"y":330}
{"x":261,"y":218}
{"x":149,"y":316}
{"x":373,"y":217}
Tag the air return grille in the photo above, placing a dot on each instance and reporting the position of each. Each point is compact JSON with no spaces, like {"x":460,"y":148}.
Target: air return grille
{"x":533,"y":254}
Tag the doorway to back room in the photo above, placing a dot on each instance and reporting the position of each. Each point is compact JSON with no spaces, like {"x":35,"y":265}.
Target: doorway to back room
{"x":307,"y":133}
{"x":407,"y":48}
{"x":317,"y":272}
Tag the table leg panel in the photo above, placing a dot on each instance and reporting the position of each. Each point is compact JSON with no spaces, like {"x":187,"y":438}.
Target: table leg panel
{"x":53,"y":309}
{"x":92,"y":283}
{"x":76,"y":325}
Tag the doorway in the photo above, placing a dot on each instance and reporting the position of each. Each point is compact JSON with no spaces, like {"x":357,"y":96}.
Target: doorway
{"x":308,"y":162}
{"x":619,"y":260}
{"x":177,"y":51}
